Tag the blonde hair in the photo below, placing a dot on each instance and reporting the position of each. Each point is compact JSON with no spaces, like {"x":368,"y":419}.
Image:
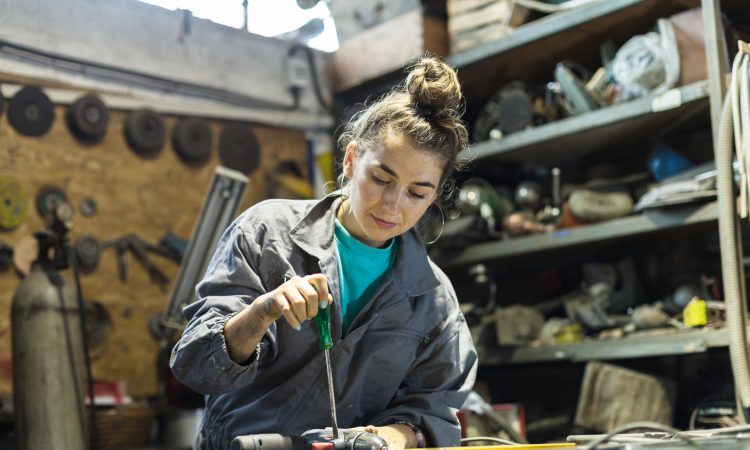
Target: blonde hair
{"x":427,"y":109}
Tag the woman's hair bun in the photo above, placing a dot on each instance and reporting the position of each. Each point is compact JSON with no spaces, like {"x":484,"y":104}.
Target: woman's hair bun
{"x":433,"y":87}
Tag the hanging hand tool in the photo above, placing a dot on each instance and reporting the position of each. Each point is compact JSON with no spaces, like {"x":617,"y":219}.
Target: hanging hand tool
{"x":323,"y":322}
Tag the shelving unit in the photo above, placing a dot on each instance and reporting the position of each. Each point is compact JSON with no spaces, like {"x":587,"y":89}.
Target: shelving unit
{"x":637,"y":346}
{"x":622,"y":124}
{"x":530,"y":53}
{"x":568,"y":239}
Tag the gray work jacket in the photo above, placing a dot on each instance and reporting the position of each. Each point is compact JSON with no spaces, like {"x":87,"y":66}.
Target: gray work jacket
{"x":408,"y":355}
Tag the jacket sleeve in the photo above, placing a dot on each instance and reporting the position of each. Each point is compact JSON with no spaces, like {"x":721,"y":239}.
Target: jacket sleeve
{"x":437,"y":387}
{"x":200,"y":359}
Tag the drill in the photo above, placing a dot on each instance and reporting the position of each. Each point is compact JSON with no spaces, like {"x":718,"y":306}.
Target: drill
{"x":311,"y":440}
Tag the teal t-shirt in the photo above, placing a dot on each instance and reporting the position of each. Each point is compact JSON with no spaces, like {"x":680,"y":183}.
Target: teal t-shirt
{"x":361,"y":269}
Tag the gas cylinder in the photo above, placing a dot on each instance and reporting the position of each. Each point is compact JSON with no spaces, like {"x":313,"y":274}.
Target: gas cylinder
{"x":48,"y":360}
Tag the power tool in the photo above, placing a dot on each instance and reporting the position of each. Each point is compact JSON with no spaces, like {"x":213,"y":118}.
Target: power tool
{"x":311,"y":440}
{"x":316,"y":439}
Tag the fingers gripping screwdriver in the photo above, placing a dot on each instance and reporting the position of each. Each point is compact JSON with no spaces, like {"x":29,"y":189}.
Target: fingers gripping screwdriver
{"x":323,"y":322}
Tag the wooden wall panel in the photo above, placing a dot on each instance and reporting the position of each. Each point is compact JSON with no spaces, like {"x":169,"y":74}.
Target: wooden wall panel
{"x":134,"y":195}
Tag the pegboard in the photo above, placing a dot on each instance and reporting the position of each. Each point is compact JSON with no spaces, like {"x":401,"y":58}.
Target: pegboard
{"x":148,"y":197}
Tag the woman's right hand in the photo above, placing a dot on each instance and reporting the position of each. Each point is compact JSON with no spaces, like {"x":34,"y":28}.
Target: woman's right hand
{"x":297,"y":300}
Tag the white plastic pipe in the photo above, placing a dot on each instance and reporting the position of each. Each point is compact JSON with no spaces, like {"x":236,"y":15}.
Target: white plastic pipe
{"x":731,"y":252}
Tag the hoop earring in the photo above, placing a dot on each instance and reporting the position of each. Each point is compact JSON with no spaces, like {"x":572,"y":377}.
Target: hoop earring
{"x":442,"y":227}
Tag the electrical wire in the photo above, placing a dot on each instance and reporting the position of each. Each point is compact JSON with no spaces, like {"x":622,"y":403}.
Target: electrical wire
{"x":643,"y":425}
{"x":488,"y":439}
{"x":139,"y":79}
{"x":313,"y":73}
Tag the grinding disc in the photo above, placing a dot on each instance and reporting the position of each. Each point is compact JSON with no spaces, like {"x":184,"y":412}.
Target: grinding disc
{"x":25,"y":252}
{"x":87,"y":252}
{"x":145,"y":132}
{"x":47,"y":199}
{"x":191,"y":139}
{"x":13,"y":206}
{"x":31,"y":112}
{"x":87,"y":118}
{"x":239,"y":149}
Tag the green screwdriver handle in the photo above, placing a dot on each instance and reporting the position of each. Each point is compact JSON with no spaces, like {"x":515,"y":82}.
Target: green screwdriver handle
{"x":323,"y":321}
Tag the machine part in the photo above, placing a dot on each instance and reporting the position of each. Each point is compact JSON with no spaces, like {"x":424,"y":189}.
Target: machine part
{"x":522,"y":223}
{"x":683,"y":295}
{"x":145,"y":132}
{"x":593,"y":206}
{"x":218,"y":210}
{"x":139,"y":248}
{"x":694,"y":314}
{"x":6,"y":257}
{"x":239,"y":149}
{"x":192,"y":139}
{"x":517,"y":325}
{"x":31,"y":112}
{"x":87,"y":118}
{"x":24,"y":254}
{"x":87,"y":253}
{"x":528,"y":195}
{"x":511,"y":109}
{"x":646,"y":317}
{"x":48,"y":198}
{"x":13,"y":203}
{"x":311,"y":440}
{"x":307,"y":4}
{"x":574,"y":89}
{"x":88,"y":206}
{"x":570,"y":333}
{"x":47,"y":339}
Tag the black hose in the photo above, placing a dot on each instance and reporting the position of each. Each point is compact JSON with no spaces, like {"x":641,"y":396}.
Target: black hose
{"x":87,"y":358}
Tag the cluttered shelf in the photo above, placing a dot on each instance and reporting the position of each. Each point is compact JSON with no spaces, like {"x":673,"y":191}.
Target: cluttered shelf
{"x":635,"y":346}
{"x":624,"y":123}
{"x":651,"y":221}
{"x":540,"y":29}
{"x":539,"y":44}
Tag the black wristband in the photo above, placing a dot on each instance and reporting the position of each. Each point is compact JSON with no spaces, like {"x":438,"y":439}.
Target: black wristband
{"x":421,"y":441}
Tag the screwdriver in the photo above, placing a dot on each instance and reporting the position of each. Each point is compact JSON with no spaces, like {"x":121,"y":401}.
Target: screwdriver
{"x":323,"y":322}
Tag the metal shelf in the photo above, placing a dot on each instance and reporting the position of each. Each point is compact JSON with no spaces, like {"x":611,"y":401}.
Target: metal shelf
{"x":540,"y":29}
{"x":677,"y":343}
{"x":653,"y":221}
{"x":600,"y":130}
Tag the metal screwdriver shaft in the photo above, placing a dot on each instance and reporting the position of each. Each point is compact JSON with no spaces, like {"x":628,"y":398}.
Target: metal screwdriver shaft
{"x":323,"y":322}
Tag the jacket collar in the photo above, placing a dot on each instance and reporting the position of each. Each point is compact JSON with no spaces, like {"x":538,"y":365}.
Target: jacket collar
{"x":314,"y":234}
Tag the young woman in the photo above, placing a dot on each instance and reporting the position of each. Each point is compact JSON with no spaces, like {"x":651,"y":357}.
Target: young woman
{"x":403,"y":359}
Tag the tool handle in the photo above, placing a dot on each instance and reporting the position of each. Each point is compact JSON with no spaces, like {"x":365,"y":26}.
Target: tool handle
{"x":271,"y":441}
{"x":323,"y":322}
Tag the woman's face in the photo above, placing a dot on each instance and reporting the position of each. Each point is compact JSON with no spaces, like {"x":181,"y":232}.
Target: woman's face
{"x":391,"y":186}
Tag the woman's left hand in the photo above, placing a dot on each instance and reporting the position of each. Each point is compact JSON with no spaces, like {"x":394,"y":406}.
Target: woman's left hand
{"x":398,"y":437}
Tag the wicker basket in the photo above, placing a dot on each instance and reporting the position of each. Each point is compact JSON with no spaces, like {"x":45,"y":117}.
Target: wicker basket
{"x":125,"y":426}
